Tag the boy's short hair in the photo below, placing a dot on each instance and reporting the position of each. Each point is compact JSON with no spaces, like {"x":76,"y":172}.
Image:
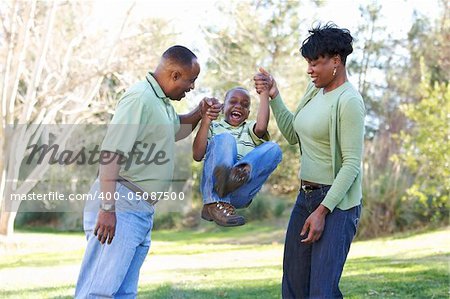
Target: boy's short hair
{"x":227,"y":94}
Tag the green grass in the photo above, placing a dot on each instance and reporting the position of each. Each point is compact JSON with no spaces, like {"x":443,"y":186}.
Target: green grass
{"x":216,"y":262}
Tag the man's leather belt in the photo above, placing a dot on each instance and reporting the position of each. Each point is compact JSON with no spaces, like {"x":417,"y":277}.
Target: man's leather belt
{"x":137,"y":190}
{"x":310,"y":186}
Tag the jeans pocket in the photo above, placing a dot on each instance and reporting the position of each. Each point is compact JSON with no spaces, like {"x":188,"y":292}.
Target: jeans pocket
{"x":356,"y":217}
{"x":126,"y":200}
{"x":316,"y":197}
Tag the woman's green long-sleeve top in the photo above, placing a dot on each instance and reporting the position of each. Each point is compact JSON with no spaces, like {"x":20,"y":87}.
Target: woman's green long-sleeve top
{"x":346,"y":139}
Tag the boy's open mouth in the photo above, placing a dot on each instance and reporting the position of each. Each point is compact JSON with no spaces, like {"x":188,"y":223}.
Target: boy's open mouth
{"x":236,"y":115}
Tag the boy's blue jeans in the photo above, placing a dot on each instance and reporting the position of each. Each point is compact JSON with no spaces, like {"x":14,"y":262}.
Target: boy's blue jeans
{"x":314,"y":270}
{"x":112,"y":271}
{"x":222,"y":150}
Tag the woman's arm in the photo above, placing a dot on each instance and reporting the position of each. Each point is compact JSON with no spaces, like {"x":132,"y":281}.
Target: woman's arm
{"x":351,"y":141}
{"x":284,"y":117}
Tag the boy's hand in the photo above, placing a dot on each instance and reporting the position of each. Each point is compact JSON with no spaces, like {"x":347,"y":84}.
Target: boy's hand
{"x":265,"y":81}
{"x":211,"y":108}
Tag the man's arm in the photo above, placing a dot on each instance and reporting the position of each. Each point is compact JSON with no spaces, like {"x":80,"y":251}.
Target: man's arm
{"x":106,"y":220}
{"x":188,"y":122}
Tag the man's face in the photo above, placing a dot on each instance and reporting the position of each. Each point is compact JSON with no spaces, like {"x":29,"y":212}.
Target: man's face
{"x":184,"y":81}
{"x":237,"y":107}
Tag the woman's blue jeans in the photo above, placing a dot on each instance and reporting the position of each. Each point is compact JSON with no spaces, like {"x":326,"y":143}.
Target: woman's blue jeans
{"x":222,"y":150}
{"x":314,"y":270}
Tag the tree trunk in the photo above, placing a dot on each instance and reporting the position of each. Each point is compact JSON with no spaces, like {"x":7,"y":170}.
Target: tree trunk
{"x":7,"y":223}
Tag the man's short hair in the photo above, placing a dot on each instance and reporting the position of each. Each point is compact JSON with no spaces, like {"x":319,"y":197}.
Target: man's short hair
{"x":180,"y":55}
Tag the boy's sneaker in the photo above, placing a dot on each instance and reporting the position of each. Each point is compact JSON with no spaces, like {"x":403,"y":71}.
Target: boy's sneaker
{"x":222,"y":213}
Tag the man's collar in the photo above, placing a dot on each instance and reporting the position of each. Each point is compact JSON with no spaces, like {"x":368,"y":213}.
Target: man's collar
{"x":156,"y":88}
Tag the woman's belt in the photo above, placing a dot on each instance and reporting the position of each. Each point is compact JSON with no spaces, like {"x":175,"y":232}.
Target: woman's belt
{"x":310,"y":186}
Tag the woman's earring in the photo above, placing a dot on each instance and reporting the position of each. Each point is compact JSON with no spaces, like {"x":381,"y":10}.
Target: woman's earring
{"x":334,"y":72}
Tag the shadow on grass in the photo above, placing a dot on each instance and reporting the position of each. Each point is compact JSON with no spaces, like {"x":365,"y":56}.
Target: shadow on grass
{"x":160,"y":292}
{"x":214,"y":234}
{"x":42,"y":260}
{"x":60,"y":292}
{"x":47,"y":230}
{"x":425,"y":277}
{"x":179,"y":292}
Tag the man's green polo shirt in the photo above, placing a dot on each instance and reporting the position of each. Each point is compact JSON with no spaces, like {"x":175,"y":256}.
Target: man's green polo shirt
{"x":143,"y":130}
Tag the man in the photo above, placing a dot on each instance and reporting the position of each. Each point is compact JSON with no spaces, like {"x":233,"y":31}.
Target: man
{"x":119,"y":222}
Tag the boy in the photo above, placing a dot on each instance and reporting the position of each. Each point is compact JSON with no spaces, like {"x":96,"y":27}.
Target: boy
{"x":239,"y":157}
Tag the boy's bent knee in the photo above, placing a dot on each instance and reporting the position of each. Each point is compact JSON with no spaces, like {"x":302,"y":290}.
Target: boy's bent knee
{"x":223,"y":138}
{"x":272,"y":146}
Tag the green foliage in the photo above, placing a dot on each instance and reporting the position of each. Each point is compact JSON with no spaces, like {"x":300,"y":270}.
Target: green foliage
{"x":170,"y":220}
{"x":62,"y":221}
{"x":260,"y":208}
{"x":279,"y":209}
{"x":394,"y":197}
{"x":408,"y":186}
{"x":383,"y":188}
{"x":426,"y":149}
{"x":258,"y":33}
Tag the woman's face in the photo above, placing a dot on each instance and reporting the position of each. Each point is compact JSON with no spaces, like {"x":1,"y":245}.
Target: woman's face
{"x":321,"y":70}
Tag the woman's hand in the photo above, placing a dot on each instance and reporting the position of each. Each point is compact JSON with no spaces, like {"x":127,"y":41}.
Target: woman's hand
{"x":264,"y":80}
{"x":314,"y":225}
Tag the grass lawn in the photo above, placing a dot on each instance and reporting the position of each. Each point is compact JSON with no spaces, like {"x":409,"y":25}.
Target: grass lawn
{"x":216,"y":262}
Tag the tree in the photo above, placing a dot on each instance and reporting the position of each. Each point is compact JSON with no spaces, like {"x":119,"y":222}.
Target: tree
{"x":57,"y":69}
{"x":426,"y":149}
{"x":421,"y":82}
{"x":396,"y":63}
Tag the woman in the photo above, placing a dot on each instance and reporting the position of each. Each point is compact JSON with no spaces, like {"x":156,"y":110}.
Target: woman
{"x":329,"y":127}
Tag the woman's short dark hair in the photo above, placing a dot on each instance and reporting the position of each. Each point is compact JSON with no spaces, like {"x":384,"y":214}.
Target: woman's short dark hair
{"x":327,"y":40}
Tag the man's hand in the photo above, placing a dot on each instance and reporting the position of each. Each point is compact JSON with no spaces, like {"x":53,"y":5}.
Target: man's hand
{"x":106,"y":226}
{"x":265,"y":81}
{"x":314,"y":225}
{"x":210,"y":108}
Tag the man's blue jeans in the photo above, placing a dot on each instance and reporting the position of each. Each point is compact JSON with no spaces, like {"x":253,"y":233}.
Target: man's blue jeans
{"x":314,"y":270}
{"x":112,"y":271}
{"x":222,"y":150}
